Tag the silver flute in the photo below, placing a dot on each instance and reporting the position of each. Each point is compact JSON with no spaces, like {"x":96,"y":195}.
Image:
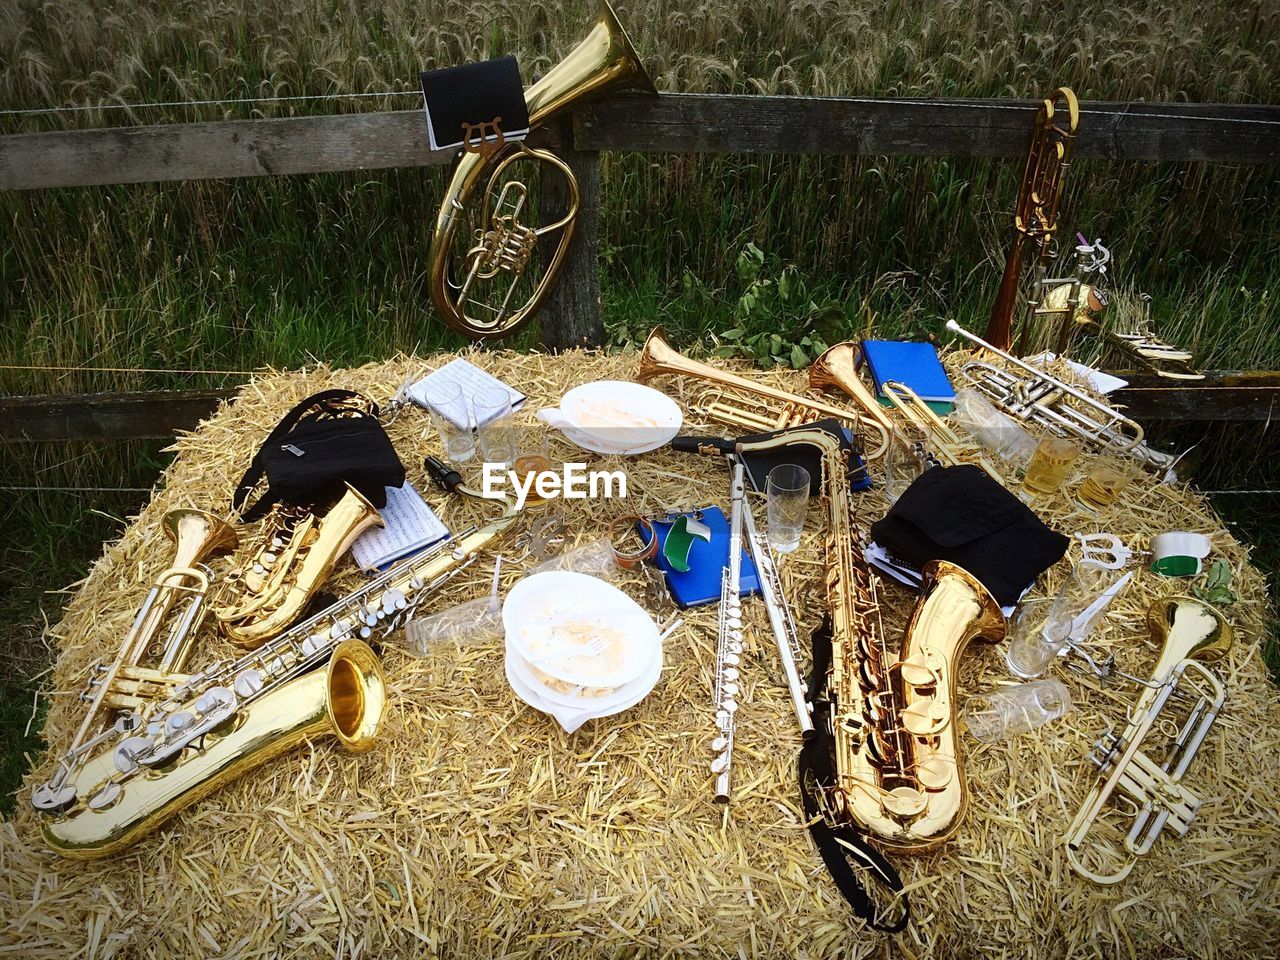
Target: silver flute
{"x":729,"y":641}
{"x":780,"y":620}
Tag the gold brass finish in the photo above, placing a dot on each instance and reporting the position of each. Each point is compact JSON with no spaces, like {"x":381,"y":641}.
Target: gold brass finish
{"x":1149,"y":352}
{"x":1036,"y":215}
{"x":174,"y":742}
{"x":738,"y":402}
{"x":1191,"y":632}
{"x":899,"y":776}
{"x":274,"y":587}
{"x":504,"y":244}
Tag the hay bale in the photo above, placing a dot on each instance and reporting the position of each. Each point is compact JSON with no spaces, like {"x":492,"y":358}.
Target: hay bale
{"x":480,"y":828}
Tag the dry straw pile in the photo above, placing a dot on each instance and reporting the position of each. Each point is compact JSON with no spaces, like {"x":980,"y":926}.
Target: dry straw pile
{"x":479,"y":828}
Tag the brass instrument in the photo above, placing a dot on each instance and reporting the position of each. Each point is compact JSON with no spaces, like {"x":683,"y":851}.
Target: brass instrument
{"x":1148,"y":351}
{"x":291,"y":560}
{"x":126,"y":684}
{"x":838,"y":368}
{"x":1036,"y":215}
{"x":500,"y":245}
{"x":1192,"y":632}
{"x":178,"y":737}
{"x":1036,"y":397}
{"x":738,"y":402}
{"x":899,"y":774}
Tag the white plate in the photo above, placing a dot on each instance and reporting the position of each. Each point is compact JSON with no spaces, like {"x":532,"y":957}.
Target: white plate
{"x":594,"y":699}
{"x":616,"y":417}
{"x":552,"y":618}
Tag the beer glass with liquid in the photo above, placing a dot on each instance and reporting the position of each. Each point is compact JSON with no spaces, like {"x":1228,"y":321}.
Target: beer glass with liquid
{"x":1050,"y":465}
{"x":1108,"y":475}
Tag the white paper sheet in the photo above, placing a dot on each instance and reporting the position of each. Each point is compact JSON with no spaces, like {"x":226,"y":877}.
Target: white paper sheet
{"x":409,"y":525}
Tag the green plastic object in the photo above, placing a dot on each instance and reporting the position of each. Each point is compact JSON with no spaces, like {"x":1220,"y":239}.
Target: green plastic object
{"x":1176,"y":566}
{"x":680,"y":541}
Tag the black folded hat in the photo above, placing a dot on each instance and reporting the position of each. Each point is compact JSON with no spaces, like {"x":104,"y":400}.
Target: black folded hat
{"x":962,"y":515}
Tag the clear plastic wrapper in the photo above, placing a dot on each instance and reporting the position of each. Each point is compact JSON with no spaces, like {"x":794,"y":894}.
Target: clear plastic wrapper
{"x":996,"y":432}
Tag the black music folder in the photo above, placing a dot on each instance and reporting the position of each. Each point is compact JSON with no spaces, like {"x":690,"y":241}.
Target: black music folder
{"x":475,"y":103}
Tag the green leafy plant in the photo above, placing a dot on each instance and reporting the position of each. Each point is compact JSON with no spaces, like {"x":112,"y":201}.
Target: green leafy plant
{"x":1217,"y":588}
{"x":778,"y":320}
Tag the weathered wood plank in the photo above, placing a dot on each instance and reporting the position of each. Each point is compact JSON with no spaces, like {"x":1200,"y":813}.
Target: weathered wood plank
{"x":571,"y":316}
{"x":687,"y":123}
{"x":105,"y":416}
{"x":671,"y":123}
{"x":1224,"y":395}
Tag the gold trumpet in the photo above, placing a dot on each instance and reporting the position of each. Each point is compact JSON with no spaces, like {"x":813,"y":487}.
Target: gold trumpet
{"x":1036,"y":215}
{"x":292,"y":559}
{"x":736,"y":401}
{"x":838,"y":368}
{"x":1192,"y":632}
{"x":1149,"y":352}
{"x":500,"y":245}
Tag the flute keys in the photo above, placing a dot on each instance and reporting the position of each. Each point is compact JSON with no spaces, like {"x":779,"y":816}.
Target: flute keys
{"x":718,"y":744}
{"x":720,"y":764}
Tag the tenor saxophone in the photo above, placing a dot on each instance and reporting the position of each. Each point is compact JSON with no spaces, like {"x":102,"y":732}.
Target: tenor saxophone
{"x":178,"y":737}
{"x":899,"y":772}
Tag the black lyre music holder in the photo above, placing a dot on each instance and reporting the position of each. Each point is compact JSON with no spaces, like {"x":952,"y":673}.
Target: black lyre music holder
{"x":475,"y":107}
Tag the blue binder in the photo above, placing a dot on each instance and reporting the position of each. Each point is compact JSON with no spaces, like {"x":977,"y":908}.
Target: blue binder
{"x":701,"y":585}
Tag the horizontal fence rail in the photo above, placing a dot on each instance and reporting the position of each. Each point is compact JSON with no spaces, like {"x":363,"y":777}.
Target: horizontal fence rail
{"x":1224,"y":395}
{"x":668,"y":123}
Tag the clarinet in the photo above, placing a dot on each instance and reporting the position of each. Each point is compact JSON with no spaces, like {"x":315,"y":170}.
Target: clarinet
{"x":729,"y":642}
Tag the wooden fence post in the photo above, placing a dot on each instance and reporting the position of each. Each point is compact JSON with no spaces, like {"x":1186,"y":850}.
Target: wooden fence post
{"x":571,"y":316}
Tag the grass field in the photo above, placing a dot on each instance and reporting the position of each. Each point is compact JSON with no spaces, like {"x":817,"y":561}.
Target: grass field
{"x":234,"y":275}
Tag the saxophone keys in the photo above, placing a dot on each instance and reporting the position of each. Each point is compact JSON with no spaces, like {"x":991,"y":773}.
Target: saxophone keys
{"x":918,"y":671}
{"x":107,"y":797}
{"x":178,"y":722}
{"x":904,"y":802}
{"x":126,"y":755}
{"x":934,"y":772}
{"x":924,"y":718}
{"x":51,"y":799}
{"x":247,"y":683}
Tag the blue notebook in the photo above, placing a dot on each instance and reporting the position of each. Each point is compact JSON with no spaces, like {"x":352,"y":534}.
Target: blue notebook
{"x":706,"y":562}
{"x":915,"y":364}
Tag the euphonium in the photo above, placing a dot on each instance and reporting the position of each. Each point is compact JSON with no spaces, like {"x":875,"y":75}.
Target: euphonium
{"x":736,"y":401}
{"x":499,"y":245}
{"x":1192,"y":632}
{"x":1036,"y":215}
{"x":179,"y":736}
{"x":292,"y":558}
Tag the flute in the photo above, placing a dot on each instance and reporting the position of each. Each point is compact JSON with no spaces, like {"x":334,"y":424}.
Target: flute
{"x":729,"y":641}
{"x":780,"y":620}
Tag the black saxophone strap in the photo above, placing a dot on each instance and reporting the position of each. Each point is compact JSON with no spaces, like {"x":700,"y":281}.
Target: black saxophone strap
{"x":846,"y":854}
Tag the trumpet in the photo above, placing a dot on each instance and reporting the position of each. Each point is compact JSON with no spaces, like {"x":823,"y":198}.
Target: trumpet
{"x":1148,"y":351}
{"x":838,"y":368}
{"x":736,"y":401}
{"x":1192,"y":632}
{"x":1059,"y":407}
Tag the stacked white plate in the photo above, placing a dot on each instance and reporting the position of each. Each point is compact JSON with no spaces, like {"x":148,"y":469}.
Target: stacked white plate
{"x":578,"y":647}
{"x":616,"y":417}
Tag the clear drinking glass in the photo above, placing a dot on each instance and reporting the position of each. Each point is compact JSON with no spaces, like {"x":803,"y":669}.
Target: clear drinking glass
{"x":902,"y":461}
{"x":496,"y":425}
{"x":1037,"y":637}
{"x":1050,"y":464}
{"x":1108,"y":475}
{"x":787,"y":493}
{"x":1016,"y":709}
{"x":451,"y":415}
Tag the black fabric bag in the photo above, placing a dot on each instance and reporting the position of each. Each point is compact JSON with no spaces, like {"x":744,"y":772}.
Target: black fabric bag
{"x":962,"y":515}
{"x":330,"y":439}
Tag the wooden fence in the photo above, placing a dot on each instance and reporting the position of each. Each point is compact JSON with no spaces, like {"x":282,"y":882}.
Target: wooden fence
{"x":668,"y":123}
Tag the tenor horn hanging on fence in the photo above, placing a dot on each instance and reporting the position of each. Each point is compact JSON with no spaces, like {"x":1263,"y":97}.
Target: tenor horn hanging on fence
{"x":1192,"y":632}
{"x":1035,"y":218}
{"x":494,"y":291}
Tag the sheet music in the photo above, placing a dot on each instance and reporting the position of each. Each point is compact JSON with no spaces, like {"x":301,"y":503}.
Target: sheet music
{"x":409,"y":525}
{"x":469,"y":377}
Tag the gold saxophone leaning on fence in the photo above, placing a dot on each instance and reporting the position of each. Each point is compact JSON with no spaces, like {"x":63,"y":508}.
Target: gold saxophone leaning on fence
{"x":156,"y":739}
{"x":899,"y":774}
{"x":499,"y":246}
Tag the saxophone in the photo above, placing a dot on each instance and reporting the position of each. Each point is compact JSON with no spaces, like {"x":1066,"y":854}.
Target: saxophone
{"x":899,"y":775}
{"x":177,"y":737}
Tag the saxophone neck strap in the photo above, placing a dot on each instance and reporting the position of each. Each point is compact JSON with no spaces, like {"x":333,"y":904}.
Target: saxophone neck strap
{"x":845,"y":852}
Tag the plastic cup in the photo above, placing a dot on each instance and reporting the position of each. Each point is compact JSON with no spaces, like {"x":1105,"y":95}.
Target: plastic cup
{"x":451,"y":416}
{"x":496,"y":426}
{"x":787,"y":497}
{"x":1010,"y":711}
